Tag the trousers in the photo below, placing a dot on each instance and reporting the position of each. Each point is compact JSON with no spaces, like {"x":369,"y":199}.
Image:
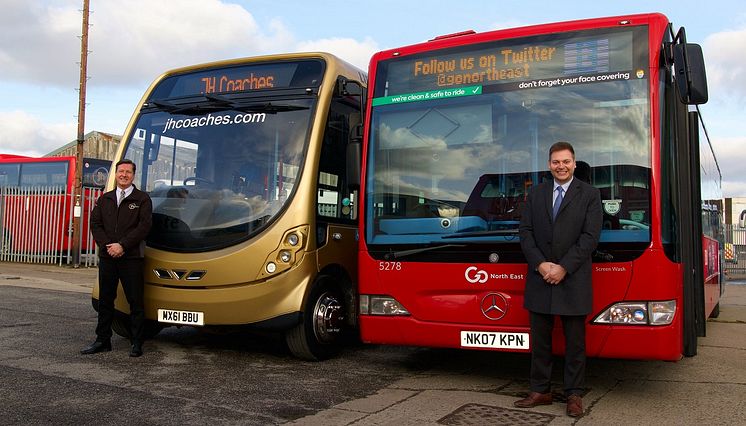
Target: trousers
{"x":573,"y":327}
{"x":130,"y":272}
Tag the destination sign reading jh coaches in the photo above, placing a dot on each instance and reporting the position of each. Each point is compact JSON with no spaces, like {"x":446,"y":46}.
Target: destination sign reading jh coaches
{"x":246,"y":78}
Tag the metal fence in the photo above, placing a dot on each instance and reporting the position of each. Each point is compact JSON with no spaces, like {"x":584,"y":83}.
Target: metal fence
{"x":37,"y":225}
{"x":37,"y":228}
{"x":734,"y":251}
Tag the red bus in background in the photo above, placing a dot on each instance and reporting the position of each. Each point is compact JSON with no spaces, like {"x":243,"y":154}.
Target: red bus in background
{"x":36,"y":206}
{"x":458,"y":130}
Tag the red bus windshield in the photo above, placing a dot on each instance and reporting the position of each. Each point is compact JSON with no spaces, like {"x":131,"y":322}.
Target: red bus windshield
{"x":458,"y":136}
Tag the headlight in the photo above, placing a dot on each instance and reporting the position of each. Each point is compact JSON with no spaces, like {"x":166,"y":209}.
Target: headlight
{"x":638,"y":313}
{"x":381,"y":305}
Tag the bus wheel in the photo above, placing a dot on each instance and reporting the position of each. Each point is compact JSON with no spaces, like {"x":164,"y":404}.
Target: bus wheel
{"x":121,"y":325}
{"x":320,"y":334}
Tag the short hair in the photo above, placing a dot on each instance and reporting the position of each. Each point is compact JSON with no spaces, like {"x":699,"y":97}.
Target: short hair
{"x":561,"y":146}
{"x":126,"y":161}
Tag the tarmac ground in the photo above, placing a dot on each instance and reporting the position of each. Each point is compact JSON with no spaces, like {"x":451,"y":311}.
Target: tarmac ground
{"x":402,"y":386}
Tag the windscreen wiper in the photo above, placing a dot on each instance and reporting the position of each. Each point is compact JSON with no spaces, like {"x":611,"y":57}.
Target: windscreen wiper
{"x":213,"y":103}
{"x":217,"y":100}
{"x":162,"y":105}
{"x":269,"y":107}
{"x":482,"y":233}
{"x":405,"y":253}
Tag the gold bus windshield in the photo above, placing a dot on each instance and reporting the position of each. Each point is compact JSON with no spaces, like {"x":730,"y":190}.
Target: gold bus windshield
{"x":220,"y":166}
{"x":458,"y":136}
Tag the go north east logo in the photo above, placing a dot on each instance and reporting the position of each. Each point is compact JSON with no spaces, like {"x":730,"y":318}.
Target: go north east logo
{"x":475,"y":275}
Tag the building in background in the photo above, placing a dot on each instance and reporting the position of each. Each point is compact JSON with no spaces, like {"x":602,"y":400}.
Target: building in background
{"x":733,"y":208}
{"x":95,"y":145}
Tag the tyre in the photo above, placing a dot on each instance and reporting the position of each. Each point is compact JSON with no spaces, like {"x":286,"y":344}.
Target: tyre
{"x":121,"y":326}
{"x":324,"y":327}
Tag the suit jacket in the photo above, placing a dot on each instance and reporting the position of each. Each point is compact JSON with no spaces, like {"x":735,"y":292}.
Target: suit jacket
{"x":127,"y":224}
{"x":569,"y":241}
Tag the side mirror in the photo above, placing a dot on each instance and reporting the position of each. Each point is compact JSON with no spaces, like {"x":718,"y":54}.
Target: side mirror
{"x":354,"y":160}
{"x":689,"y":69}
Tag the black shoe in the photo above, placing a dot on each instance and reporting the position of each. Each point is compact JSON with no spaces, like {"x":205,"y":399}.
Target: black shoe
{"x":97,"y":346}
{"x":136,"y":350}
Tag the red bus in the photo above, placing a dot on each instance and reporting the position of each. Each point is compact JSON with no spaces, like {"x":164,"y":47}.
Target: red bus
{"x":36,"y":206}
{"x":458,"y":130}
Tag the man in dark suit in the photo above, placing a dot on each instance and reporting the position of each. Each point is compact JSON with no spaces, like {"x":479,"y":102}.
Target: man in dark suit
{"x":120,"y":221}
{"x":559,"y":230}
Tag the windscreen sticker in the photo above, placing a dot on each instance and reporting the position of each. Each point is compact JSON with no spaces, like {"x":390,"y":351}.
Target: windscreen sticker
{"x":612,"y":207}
{"x":428,"y":96}
{"x":214,"y":120}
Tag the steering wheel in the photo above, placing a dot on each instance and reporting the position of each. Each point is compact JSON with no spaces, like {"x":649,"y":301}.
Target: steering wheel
{"x":198,"y":180}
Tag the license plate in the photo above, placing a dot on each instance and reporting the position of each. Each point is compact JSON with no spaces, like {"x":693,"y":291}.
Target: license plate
{"x":487,"y":339}
{"x":181,"y":317}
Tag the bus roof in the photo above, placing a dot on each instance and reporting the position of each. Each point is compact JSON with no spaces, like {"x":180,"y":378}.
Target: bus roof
{"x":469,"y":36}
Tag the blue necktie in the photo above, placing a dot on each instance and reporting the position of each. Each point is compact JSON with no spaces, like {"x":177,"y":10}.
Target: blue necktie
{"x":557,"y":203}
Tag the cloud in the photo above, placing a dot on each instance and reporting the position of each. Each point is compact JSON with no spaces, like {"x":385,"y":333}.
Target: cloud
{"x":726,"y":63}
{"x":25,"y":134}
{"x":729,"y":151}
{"x":130,"y":40}
{"x":357,"y":53}
{"x":38,"y":43}
{"x":139,"y":39}
{"x":133,"y":41}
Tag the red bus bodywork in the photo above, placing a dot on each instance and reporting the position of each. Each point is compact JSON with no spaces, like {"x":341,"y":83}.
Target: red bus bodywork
{"x":37,"y":208}
{"x":444,"y":299}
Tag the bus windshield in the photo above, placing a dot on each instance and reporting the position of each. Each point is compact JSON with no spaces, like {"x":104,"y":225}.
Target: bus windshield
{"x":218,"y":184}
{"x":220,"y":150}
{"x":458,"y":136}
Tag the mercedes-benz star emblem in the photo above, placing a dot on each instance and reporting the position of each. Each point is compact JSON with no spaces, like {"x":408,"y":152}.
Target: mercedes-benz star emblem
{"x":494,"y":306}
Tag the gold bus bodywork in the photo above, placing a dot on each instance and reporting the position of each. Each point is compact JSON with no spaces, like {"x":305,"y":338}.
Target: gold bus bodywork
{"x":235,"y":287}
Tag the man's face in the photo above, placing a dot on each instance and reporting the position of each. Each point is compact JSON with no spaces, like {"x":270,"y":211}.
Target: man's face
{"x":562,"y":165}
{"x":125,"y":175}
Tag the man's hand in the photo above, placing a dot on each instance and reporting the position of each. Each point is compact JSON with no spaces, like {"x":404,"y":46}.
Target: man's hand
{"x":552,"y":272}
{"x":115,"y":250}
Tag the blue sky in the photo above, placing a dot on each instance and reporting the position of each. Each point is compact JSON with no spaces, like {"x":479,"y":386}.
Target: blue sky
{"x":133,"y":41}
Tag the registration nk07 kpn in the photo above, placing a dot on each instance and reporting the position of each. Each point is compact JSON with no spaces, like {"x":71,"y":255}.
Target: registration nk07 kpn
{"x":492,"y":340}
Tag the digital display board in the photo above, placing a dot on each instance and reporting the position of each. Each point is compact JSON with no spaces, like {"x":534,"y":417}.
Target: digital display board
{"x":532,"y":62}
{"x":242,"y":78}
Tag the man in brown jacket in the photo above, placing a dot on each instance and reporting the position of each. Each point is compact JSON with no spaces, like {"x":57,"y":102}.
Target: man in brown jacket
{"x":120,"y":221}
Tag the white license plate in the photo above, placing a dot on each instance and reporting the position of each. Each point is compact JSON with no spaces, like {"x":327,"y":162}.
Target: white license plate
{"x":181,"y":317}
{"x":487,"y":339}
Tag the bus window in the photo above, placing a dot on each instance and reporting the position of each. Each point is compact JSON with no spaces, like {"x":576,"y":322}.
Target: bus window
{"x":44,"y":174}
{"x":9,"y":174}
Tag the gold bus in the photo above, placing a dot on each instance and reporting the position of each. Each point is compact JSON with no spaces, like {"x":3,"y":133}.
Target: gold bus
{"x":253,"y":217}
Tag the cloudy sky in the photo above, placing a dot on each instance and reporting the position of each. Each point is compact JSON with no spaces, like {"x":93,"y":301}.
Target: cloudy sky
{"x":133,"y":41}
